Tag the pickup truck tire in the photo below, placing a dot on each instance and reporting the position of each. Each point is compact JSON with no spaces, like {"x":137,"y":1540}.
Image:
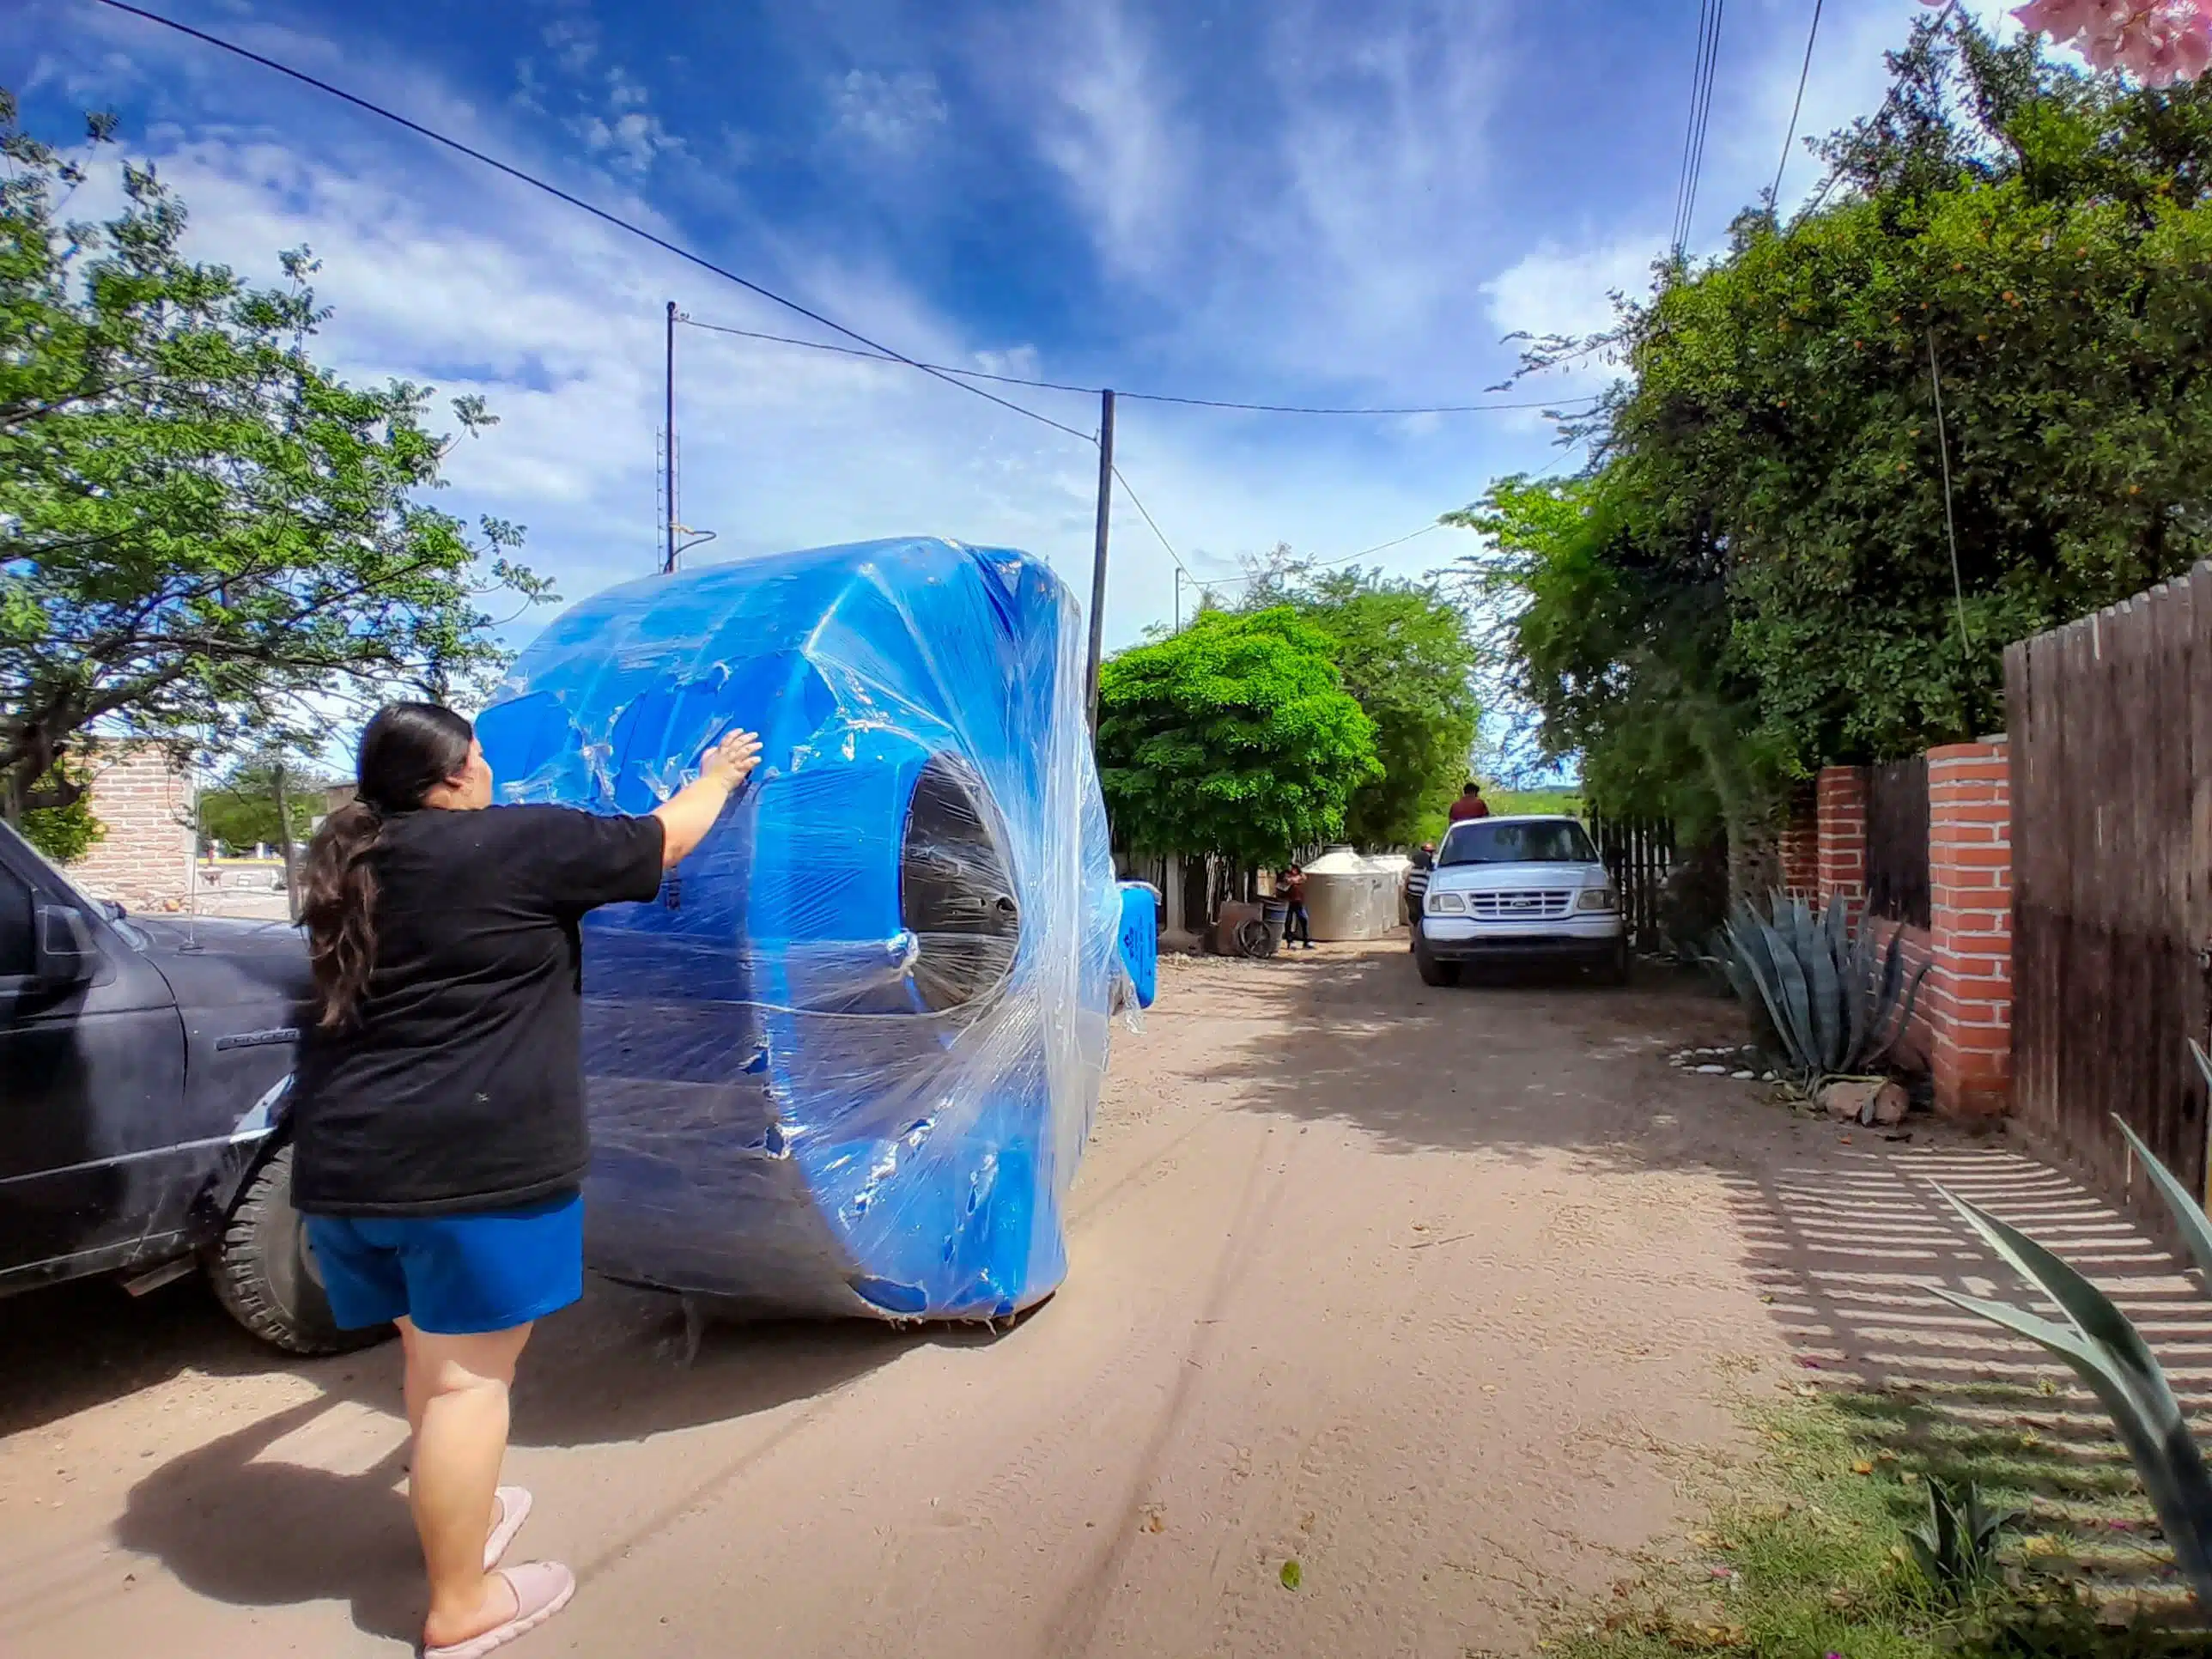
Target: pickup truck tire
{"x":1433,"y":972}
{"x":1618,"y":967}
{"x":264,"y":1278}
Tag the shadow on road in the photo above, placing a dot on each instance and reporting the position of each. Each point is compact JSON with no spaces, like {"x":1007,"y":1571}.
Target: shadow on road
{"x":1845,"y":1244}
{"x":1513,"y":1062}
{"x":257,"y":1531}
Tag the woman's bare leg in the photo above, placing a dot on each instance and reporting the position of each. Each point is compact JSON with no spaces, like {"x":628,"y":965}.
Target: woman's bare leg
{"x":457,"y":1394}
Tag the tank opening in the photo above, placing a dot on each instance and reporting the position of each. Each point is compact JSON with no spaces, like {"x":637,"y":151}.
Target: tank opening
{"x":956,"y":888}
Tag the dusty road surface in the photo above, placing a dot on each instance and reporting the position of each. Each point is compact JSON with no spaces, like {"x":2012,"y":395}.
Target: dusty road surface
{"x":1437,"y":1294}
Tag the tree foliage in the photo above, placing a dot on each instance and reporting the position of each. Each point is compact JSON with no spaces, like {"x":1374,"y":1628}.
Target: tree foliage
{"x":1782,"y":558}
{"x":201,"y":529}
{"x":64,"y":834}
{"x":1235,"y":736}
{"x":241,"y":809}
{"x":1405,"y":654}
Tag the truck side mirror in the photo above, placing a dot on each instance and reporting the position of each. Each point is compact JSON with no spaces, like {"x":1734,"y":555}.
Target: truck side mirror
{"x":65,"y":954}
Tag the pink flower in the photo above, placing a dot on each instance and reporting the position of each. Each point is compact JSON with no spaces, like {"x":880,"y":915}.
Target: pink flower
{"x":2157,"y":42}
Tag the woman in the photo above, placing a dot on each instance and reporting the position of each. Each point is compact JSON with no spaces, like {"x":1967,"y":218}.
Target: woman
{"x":438,"y":1111}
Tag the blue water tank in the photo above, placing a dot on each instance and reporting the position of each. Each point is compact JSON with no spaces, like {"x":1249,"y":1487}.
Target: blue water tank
{"x":847,"y":1061}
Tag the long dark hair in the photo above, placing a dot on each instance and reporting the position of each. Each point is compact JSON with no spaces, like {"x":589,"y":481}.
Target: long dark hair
{"x":408,"y":750}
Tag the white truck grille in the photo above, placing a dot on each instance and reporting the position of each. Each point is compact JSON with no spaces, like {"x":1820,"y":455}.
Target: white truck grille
{"x":1534,"y":904}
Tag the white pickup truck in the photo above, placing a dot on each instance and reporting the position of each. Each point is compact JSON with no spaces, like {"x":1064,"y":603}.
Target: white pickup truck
{"x":1518,"y":889}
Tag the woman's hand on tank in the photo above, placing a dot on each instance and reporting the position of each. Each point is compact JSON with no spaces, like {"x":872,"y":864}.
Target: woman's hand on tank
{"x":687,"y":816}
{"x":731,"y":760}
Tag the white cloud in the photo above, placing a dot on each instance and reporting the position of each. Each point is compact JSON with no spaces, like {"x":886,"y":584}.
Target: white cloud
{"x":631,"y":141}
{"x":892,"y":113}
{"x":1557,"y":290}
{"x":573,"y":40}
{"x":1107,"y":126}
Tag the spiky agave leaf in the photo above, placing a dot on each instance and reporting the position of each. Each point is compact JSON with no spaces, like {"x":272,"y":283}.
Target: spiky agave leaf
{"x":2188,"y":1214}
{"x":1825,"y":990}
{"x":1756,"y":947}
{"x":1858,"y":975}
{"x":1796,"y":996}
{"x":2107,"y":1352}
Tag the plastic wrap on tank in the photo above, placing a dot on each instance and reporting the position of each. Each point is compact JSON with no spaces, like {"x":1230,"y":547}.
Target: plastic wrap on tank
{"x":847,"y":1061}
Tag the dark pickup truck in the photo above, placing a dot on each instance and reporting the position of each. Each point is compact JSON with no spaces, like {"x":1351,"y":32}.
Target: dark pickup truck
{"x":144,"y":1064}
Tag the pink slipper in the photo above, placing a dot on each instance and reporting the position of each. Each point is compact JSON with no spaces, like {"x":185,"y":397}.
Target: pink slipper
{"x":541,"y":1589}
{"x":513,"y":1510}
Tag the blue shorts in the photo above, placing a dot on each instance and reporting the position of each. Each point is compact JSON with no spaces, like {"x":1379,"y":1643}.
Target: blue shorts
{"x":452,"y":1275}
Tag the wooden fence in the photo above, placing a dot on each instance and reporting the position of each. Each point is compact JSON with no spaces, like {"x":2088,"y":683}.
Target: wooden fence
{"x":1640,"y":856}
{"x":2110,"y":723}
{"x":1897,"y":842}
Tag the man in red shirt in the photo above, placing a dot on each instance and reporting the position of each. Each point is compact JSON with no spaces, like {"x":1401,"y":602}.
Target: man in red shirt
{"x":1470,"y":804}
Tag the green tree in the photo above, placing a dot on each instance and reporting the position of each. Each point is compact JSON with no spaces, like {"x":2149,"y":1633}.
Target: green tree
{"x":64,"y":834}
{"x":1785,"y":555}
{"x":1235,"y":736}
{"x":1407,"y":655}
{"x":241,"y":809}
{"x":201,"y":532}
{"x":1618,"y":642}
{"x":2028,"y":246}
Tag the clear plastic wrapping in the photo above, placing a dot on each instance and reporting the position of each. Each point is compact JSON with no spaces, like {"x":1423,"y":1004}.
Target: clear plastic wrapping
{"x":847,"y":1061}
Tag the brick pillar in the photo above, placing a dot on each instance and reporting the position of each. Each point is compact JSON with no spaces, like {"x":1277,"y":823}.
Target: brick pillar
{"x":1969,"y":984}
{"x":1841,"y":792}
{"x":145,"y":804}
{"x":1801,"y":845}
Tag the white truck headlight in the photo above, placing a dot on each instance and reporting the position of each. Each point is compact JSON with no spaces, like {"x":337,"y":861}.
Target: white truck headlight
{"x":1597,"y":898}
{"x":1447,"y":903}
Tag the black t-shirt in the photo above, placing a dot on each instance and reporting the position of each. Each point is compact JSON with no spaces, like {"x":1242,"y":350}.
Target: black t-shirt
{"x":460,"y":1087}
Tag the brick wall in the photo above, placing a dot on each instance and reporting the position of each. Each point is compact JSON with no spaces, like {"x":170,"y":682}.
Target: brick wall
{"x":1801,"y":845}
{"x":1961,"y":1029}
{"x":1970,"y":883}
{"x":145,"y":860}
{"x":1841,"y":794}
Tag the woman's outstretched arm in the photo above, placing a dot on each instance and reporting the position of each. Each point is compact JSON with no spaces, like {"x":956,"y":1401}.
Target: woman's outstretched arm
{"x":687,"y":815}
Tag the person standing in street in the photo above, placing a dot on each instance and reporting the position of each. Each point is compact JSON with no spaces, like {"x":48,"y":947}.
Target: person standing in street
{"x":1470,"y":804}
{"x":1298,"y":925}
{"x":438,"y":1132}
{"x":1421,"y":865}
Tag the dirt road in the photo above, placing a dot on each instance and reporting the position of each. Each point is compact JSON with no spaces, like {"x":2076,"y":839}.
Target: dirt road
{"x":1432,"y":1292}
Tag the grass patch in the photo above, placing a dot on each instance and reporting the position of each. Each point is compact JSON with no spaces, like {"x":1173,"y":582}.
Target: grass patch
{"x":1510,"y":803}
{"x":1803,"y":1552}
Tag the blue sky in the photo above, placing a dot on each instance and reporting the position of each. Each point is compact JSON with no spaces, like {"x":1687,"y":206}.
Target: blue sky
{"x":1283,"y":202}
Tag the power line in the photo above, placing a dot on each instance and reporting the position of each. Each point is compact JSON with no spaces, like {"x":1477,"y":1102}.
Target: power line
{"x":1141,"y":397}
{"x":1709,"y":17}
{"x":1137,"y":502}
{"x":1689,"y":131}
{"x":600,"y":213}
{"x":1797,"y":108}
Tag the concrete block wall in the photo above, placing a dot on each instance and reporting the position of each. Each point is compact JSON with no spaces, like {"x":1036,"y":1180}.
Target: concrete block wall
{"x":147,"y":804}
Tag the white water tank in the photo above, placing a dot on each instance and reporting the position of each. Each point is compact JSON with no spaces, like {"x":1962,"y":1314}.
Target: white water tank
{"x":1352,"y":897}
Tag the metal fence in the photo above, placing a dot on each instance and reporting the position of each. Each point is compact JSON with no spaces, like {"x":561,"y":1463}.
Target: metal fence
{"x":1896,"y":841}
{"x":1639,"y":855}
{"x":2110,"y":723}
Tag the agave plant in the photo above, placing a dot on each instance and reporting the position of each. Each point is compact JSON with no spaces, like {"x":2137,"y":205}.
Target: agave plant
{"x":2109,"y":1354}
{"x":1957,"y":1546}
{"x":1835,"y":998}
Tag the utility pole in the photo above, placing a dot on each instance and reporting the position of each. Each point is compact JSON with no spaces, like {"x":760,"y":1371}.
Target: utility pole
{"x":284,"y":837}
{"x":1098,"y":557}
{"x":668,"y":460}
{"x":1178,"y":604}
